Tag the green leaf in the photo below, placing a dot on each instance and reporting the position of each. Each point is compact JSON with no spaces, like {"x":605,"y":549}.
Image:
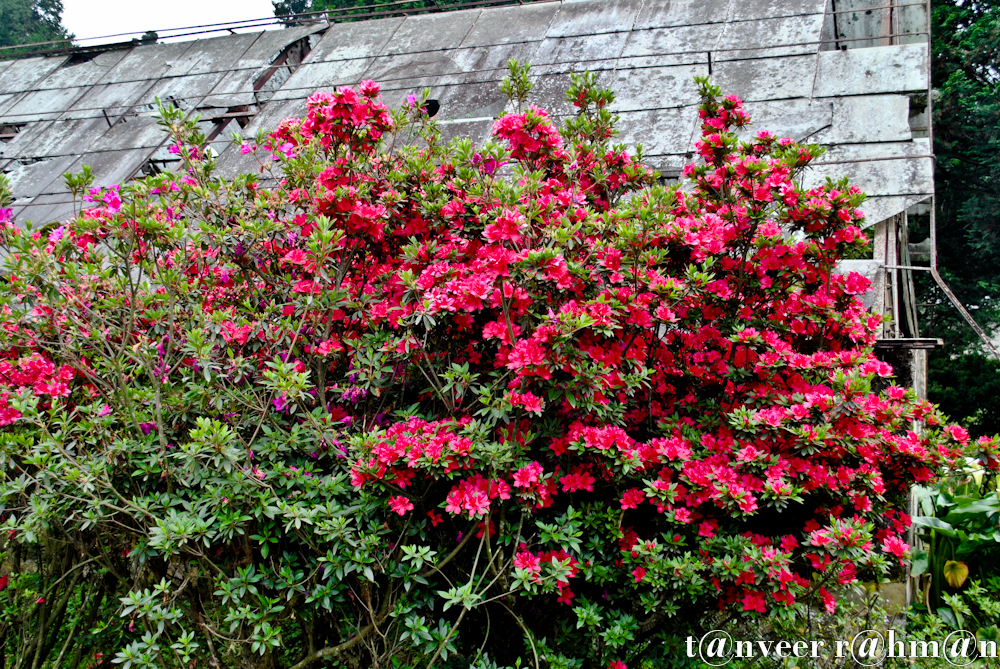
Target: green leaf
{"x":984,"y":506}
{"x":948,"y":616}
{"x":934,"y":524}
{"x":955,"y":573}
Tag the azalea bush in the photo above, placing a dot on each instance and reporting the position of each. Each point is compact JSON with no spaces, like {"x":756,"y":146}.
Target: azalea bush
{"x":386,"y":401}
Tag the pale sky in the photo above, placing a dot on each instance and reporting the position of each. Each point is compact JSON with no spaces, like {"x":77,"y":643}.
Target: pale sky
{"x":97,"y":18}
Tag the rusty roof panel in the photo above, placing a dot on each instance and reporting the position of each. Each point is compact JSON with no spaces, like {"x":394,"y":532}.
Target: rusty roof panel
{"x":890,"y":169}
{"x":82,"y":71}
{"x":63,"y":138}
{"x":512,"y":24}
{"x":489,"y":63}
{"x":674,"y":40}
{"x":859,"y":19}
{"x":654,"y":87}
{"x":28,"y":179}
{"x":412,"y":70}
{"x":269,"y":45}
{"x":746,"y":10}
{"x":478,"y":100}
{"x":110,"y":99}
{"x":766,"y":78}
{"x":57,"y":198}
{"x":234,"y":89}
{"x":25,"y":136}
{"x":868,"y":118}
{"x":108,"y":167}
{"x":680,"y":13}
{"x":254,"y":62}
{"x":476,"y":130}
{"x":916,"y":148}
{"x":549,"y":92}
{"x":593,"y":18}
{"x":660,"y":131}
{"x":131,"y":132}
{"x":883,"y":69}
{"x":25,"y":74}
{"x":45,"y":104}
{"x":324,"y":76}
{"x":911,"y":21}
{"x":36,"y":215}
{"x":151,"y":61}
{"x":185,"y":91}
{"x":41,"y":213}
{"x":348,"y":41}
{"x":594,"y":52}
{"x":767,"y":38}
{"x":880,"y":208}
{"x":430,"y":33}
{"x":666,"y":60}
{"x":801,"y":118}
{"x":215,"y":54}
{"x":8,"y":100}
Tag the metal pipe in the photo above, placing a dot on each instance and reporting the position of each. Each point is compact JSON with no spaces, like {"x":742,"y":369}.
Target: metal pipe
{"x":907,"y":267}
{"x":871,"y":9}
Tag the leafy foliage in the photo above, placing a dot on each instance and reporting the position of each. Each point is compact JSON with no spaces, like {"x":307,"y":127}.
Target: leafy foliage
{"x":31,"y":21}
{"x":959,"y":523}
{"x":966,"y":141}
{"x":969,"y":386}
{"x":419,"y":404}
{"x":958,"y":570}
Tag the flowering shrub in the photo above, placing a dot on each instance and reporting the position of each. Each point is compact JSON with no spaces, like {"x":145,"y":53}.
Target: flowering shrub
{"x":398,"y":403}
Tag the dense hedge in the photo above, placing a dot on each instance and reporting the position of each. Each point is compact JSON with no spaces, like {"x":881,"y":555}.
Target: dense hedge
{"x":388,"y":402}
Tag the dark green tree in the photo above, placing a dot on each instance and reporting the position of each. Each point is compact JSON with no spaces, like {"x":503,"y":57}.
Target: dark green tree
{"x":964,"y":380}
{"x":30,"y":22}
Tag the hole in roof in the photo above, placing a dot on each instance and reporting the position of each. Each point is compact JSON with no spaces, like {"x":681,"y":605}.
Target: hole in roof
{"x":81,"y":58}
{"x":9,"y":130}
{"x":283,"y":65}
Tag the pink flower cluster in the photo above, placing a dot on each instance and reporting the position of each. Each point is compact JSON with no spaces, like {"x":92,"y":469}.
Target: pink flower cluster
{"x":35,"y":373}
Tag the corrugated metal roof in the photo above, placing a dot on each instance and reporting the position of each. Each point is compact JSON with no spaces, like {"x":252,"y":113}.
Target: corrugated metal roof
{"x":786,"y":58}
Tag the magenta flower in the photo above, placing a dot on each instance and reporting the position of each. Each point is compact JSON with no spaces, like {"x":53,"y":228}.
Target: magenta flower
{"x":113,"y":201}
{"x":400,"y":504}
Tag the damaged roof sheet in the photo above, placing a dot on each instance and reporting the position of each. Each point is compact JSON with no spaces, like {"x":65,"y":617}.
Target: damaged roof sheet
{"x":780,"y":56}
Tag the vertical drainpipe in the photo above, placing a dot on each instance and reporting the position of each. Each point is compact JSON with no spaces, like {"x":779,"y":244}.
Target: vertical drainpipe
{"x":836,"y":30}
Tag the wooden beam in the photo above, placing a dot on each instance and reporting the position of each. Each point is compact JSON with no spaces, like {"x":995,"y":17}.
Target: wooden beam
{"x":910,"y":343}
{"x":219,"y":117}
